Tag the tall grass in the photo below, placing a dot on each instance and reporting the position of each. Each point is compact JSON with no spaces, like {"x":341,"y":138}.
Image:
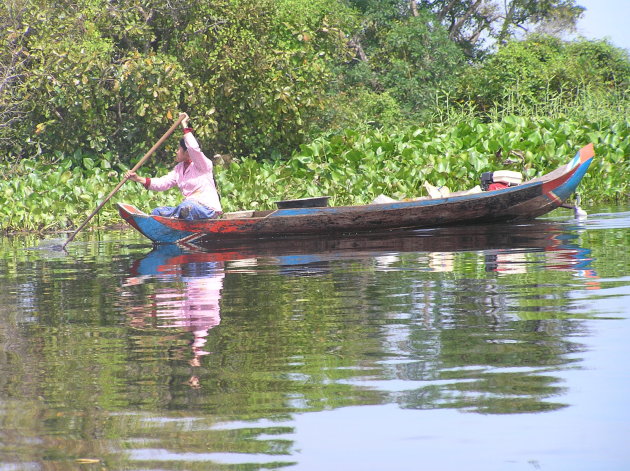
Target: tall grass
{"x":588,"y":104}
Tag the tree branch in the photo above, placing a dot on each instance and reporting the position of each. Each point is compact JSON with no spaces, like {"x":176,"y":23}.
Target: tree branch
{"x":413,"y":6}
{"x":454,"y":30}
{"x":444,"y":11}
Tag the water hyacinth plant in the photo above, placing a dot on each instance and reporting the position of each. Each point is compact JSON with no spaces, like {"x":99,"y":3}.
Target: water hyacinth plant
{"x":351,"y":167}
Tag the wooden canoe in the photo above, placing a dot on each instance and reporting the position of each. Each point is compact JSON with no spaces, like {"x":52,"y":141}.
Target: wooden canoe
{"x":518,"y":203}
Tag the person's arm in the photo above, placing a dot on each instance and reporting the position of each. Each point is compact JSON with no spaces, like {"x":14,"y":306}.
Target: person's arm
{"x":166,"y":182}
{"x":194,"y":151}
{"x":156,"y":184}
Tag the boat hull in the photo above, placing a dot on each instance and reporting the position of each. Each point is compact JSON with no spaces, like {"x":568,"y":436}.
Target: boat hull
{"x":523,"y":202}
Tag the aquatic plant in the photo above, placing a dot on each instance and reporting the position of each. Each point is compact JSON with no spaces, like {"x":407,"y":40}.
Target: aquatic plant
{"x":351,"y":167}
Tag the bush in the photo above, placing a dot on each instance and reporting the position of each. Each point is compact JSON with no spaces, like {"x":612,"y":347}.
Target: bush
{"x":544,"y":75}
{"x":103,"y":76}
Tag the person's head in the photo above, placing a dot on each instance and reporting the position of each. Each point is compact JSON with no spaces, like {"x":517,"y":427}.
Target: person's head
{"x":182,"y":152}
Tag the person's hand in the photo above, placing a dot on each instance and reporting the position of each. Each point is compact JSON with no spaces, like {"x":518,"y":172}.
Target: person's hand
{"x":134,"y":176}
{"x":185,"y":120}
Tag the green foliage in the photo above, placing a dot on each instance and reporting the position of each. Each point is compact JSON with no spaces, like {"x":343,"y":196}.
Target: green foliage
{"x":542,"y":70}
{"x":471,"y":22}
{"x":417,"y":59}
{"x":355,"y":167}
{"x":67,"y":60}
{"x":82,"y":92}
{"x":599,"y":64}
{"x":349,"y":99}
{"x":404,"y":58}
{"x":262,"y":78}
{"x":110,"y":77}
{"x":264,"y":70}
{"x":361,"y":108}
{"x":49,"y":196}
{"x":352,"y":167}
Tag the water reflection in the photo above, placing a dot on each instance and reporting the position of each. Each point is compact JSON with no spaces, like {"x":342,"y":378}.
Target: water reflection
{"x":561,"y":252}
{"x":569,"y":256}
{"x":460,"y":329}
{"x":185,"y":295}
{"x":180,"y":359}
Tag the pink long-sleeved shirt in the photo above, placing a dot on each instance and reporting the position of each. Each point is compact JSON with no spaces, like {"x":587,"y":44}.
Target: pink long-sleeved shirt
{"x":194,"y":179}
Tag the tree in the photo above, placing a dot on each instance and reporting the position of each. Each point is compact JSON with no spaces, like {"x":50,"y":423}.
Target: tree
{"x":544,"y":69}
{"x":100,"y":76}
{"x":401,"y":53}
{"x":415,"y":61}
{"x":13,"y":57}
{"x":469,"y":21}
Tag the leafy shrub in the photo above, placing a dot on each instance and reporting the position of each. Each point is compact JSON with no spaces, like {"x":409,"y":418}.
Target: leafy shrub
{"x":108,"y":76}
{"x":416,"y":59}
{"x":543,"y":72}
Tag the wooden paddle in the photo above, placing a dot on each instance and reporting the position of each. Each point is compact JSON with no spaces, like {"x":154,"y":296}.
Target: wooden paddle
{"x":136,"y":167}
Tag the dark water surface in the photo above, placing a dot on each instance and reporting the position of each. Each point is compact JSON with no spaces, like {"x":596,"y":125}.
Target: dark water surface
{"x":479,"y":348}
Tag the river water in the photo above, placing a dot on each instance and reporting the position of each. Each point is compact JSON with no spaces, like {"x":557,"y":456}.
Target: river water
{"x":482,"y":348}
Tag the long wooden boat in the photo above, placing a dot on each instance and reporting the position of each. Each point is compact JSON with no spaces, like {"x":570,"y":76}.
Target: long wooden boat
{"x":517,"y":203}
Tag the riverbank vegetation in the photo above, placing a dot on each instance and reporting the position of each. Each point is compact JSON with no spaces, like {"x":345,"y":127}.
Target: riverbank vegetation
{"x":347,"y":99}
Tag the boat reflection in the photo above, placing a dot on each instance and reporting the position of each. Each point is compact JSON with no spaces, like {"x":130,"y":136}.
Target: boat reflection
{"x":561,"y":253}
{"x":504,"y":249}
{"x":569,"y":256}
{"x":188,"y":293}
{"x":181,"y":288}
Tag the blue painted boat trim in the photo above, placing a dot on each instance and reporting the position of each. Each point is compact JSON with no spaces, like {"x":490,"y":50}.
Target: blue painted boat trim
{"x":568,"y":188}
{"x":575,"y":161}
{"x":157,"y":231}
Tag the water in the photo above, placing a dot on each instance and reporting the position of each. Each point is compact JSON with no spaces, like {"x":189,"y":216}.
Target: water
{"x":483,"y":348}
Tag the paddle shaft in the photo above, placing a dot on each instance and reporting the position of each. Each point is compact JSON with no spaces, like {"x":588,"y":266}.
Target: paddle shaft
{"x":136,"y":167}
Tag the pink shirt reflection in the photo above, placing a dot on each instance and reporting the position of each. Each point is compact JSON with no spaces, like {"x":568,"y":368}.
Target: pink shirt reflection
{"x":195,"y":310}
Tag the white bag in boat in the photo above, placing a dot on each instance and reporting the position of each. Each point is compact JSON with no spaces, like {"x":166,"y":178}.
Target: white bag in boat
{"x":508,"y":177}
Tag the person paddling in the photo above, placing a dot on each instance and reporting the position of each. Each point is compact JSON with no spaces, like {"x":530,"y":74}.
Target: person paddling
{"x":194,"y":178}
